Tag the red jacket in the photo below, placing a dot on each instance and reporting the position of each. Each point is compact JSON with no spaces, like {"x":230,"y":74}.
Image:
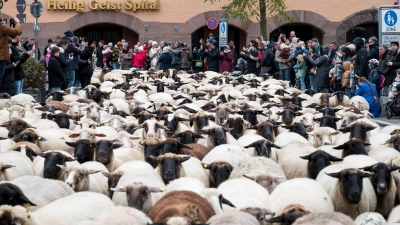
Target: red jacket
{"x":139,"y":59}
{"x":226,"y":64}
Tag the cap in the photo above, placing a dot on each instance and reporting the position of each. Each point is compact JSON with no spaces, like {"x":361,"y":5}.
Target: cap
{"x":69,"y":33}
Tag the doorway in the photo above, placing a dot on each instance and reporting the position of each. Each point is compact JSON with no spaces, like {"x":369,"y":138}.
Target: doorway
{"x":303,"y":31}
{"x":365,"y":30}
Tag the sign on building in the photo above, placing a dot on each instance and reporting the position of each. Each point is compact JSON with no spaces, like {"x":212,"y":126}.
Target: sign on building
{"x":223,"y":33}
{"x":389,"y":26}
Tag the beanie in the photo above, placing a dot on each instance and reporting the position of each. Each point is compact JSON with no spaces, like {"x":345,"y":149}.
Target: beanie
{"x":125,"y":45}
{"x":110,"y":44}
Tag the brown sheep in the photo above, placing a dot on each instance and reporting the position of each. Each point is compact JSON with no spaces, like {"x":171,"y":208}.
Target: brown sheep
{"x":56,"y":106}
{"x":199,"y":151}
{"x":185,"y":207}
{"x":290,"y":214}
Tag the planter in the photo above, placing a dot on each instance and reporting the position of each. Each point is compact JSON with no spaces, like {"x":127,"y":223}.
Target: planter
{"x":38,"y":94}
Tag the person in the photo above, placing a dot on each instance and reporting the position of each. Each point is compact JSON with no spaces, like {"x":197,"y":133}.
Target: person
{"x":106,"y":52}
{"x":373,"y":52}
{"x":199,"y":55}
{"x":360,"y":62}
{"x":251,"y":56}
{"x":85,"y":63}
{"x":396,"y":85}
{"x":211,"y":38}
{"x":186,"y":58}
{"x":301,"y":71}
{"x":213,"y":57}
{"x":322,"y":78}
{"x":115,"y":55}
{"x":315,"y":43}
{"x":175,"y":58}
{"x":18,"y":70}
{"x":283,"y":56}
{"x":75,"y":52}
{"x":6,"y":31}
{"x":332,"y":53}
{"x":267,"y":61}
{"x":49,"y":42}
{"x":162,"y":45}
{"x":346,"y":78}
{"x":65,"y":60}
{"x":235,"y":55}
{"x":368,"y":91}
{"x":30,"y":46}
{"x":56,"y":78}
{"x":292,"y":34}
{"x":384,"y":57}
{"x":310,"y":67}
{"x":394,"y":62}
{"x":154,"y":54}
{"x":338,"y":69}
{"x":239,"y":65}
{"x":99,"y":54}
{"x":226,"y":57}
{"x":125,"y":58}
{"x":375,"y":74}
{"x":7,"y":83}
{"x":140,"y":58}
{"x":165,"y":59}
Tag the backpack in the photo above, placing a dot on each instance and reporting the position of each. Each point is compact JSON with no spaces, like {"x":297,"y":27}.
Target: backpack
{"x":381,"y":82}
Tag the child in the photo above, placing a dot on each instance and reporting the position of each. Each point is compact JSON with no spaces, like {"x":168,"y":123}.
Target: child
{"x":301,"y":71}
{"x":375,"y":74}
{"x":106,"y":53}
{"x":239,"y":65}
{"x":346,"y":79}
{"x":395,"y":86}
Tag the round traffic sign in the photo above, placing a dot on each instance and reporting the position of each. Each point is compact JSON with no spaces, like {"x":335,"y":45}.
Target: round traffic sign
{"x":21,"y":6}
{"x":212,"y":23}
{"x":36,"y":9}
{"x":390,"y":18}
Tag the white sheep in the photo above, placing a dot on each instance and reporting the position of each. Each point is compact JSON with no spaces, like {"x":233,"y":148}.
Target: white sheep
{"x":359,"y":102}
{"x":292,"y":199}
{"x":227,"y":152}
{"x":264,"y":171}
{"x":389,"y":129}
{"x":357,"y":199}
{"x":332,"y":218}
{"x":322,"y":136}
{"x":42,"y":191}
{"x":6,"y":145}
{"x":233,"y":218}
{"x":285,"y":139}
{"x":22,"y":98}
{"x":394,"y":217}
{"x":370,"y":218}
{"x":13,"y":165}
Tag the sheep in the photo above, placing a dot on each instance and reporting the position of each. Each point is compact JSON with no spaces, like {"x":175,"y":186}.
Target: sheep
{"x":247,"y":196}
{"x":262,"y":170}
{"x":11,"y":194}
{"x":138,"y":189}
{"x":339,"y":98}
{"x":118,"y":215}
{"x":389,"y":129}
{"x":233,"y":218}
{"x":6,"y":103}
{"x":218,"y":135}
{"x":259,"y":146}
{"x":14,"y":165}
{"x":359,"y":102}
{"x":285,"y":139}
{"x":322,"y":136}
{"x":6,"y":144}
{"x":22,"y":98}
{"x":370,"y":218}
{"x":16,"y":112}
{"x":394,"y":217}
{"x":291,"y":200}
{"x":393,"y":141}
{"x":46,"y":165}
{"x":74,"y":107}
{"x":81,"y":206}
{"x":350,"y":193}
{"x":86,"y":177}
{"x":41,"y":191}
{"x":151,"y":128}
{"x":174,"y":146}
{"x":58,"y":106}
{"x":229,"y":153}
{"x":332,"y":218}
{"x":27,"y":148}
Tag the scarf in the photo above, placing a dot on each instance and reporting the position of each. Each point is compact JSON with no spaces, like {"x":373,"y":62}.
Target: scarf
{"x":125,"y":50}
{"x":227,"y":51}
{"x":382,"y":56}
{"x":48,"y":58}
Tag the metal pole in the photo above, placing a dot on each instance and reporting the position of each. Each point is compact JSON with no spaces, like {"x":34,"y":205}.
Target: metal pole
{"x":36,"y":40}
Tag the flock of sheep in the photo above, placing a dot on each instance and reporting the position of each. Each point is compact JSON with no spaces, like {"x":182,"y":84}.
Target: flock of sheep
{"x":183,"y":148}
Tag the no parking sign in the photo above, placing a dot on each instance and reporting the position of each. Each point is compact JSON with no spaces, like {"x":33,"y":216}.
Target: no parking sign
{"x":212,"y":23}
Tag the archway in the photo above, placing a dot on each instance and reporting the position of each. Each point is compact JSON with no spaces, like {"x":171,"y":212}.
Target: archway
{"x":368,"y":16}
{"x":303,"y":31}
{"x":365,"y":30}
{"x":235,"y":34}
{"x":107,"y":32}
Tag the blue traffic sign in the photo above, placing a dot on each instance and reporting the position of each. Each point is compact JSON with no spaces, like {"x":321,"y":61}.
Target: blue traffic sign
{"x":390,"y":18}
{"x":223,"y":28}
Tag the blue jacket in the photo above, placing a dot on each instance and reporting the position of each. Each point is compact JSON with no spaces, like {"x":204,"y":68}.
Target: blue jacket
{"x":364,"y":90}
{"x":72,"y":49}
{"x":165,"y":61}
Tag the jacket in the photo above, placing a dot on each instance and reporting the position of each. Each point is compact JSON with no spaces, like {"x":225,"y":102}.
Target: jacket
{"x":309,"y":64}
{"x":72,"y":49}
{"x":199,"y":54}
{"x":176,"y":60}
{"x":268,"y":58}
{"x":186,"y":59}
{"x":365,"y":91}
{"x":139,"y":60}
{"x":84,"y":67}
{"x":213,"y":60}
{"x":65,"y":62}
{"x":19,"y":70}
{"x":56,"y":77}
{"x":301,"y":69}
{"x":361,"y":60}
{"x":322,"y":76}
{"x":125,"y":58}
{"x":252,"y":58}
{"x":99,"y":55}
{"x":373,"y":51}
{"x":338,"y":68}
{"x":165,"y":61}
{"x":8,"y":82}
{"x":374,"y":75}
{"x":226,"y":61}
{"x":278,"y":58}
{"x":29,"y":47}
{"x":6,"y":31}
{"x":386,"y":70}
{"x":115,"y":54}
{"x":153,"y":55}
{"x":346,"y":74}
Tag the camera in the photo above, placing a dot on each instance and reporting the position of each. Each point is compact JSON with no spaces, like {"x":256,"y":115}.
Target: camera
{"x":12,"y":23}
{"x":3,"y":21}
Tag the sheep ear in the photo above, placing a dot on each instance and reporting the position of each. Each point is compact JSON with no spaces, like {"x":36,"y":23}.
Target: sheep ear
{"x":389,"y":141}
{"x":6,"y":124}
{"x":114,"y":146}
{"x":135,"y":138}
{"x":185,"y":158}
{"x":367,"y":168}
{"x":334,"y":175}
{"x":370,"y":128}
{"x":249,"y":146}
{"x":366,"y":144}
{"x":7,"y":167}
{"x":74,"y":135}
{"x":205,"y":165}
{"x":25,"y":200}
{"x":69,"y":159}
{"x":364,"y":175}
{"x":275,"y":146}
{"x":306,"y":157}
{"x":250,"y":176}
{"x":227,"y":202}
{"x":71,"y":144}
{"x":335,"y":133}
{"x":394,"y":168}
{"x":277,"y":219}
{"x":93,"y":171}
{"x":340,"y":147}
{"x":40,"y":138}
{"x":345,"y":130}
{"x":105,"y":174}
{"x":119,"y":189}
{"x":156,"y":189}
{"x":100,"y":135}
{"x":334,"y":159}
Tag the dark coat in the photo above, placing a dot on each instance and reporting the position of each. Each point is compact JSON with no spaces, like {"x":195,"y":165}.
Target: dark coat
{"x":72,"y":49}
{"x":373,"y":51}
{"x":251,"y":64}
{"x":268,"y":58}
{"x":361,"y":60}
{"x":84,"y":67}
{"x":99,"y":55}
{"x":56,"y":77}
{"x":165,"y":61}
{"x":29,"y":47}
{"x":386,"y":70}
{"x":8,"y":82}
{"x":213,"y":60}
{"x":322,"y":77}
{"x":65,"y":62}
{"x":199,"y":55}
{"x":19,"y":70}
{"x":309,"y":64}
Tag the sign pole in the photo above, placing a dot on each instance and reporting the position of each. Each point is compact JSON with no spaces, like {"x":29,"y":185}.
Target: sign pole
{"x":36,"y":39}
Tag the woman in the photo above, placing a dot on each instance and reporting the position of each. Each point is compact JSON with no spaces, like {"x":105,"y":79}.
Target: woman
{"x":125,"y":57}
{"x":56,"y":78}
{"x":165,"y":59}
{"x":7,"y":83}
{"x":85,"y":63}
{"x":251,"y":56}
{"x":198,"y":56}
{"x":368,"y":91}
{"x":140,"y":58}
{"x":115,"y":55}
{"x":284,"y":57}
{"x":65,"y":60}
{"x":226,"y":57}
{"x":154,"y":54}
{"x":322,"y":78}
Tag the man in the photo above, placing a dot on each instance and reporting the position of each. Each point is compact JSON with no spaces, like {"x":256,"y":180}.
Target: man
{"x":384,"y":57}
{"x":6,"y":31}
{"x":267,"y":61}
{"x":65,"y":62}
{"x":28,"y":46}
{"x":123,"y":41}
{"x":373,"y":52}
{"x":99,"y":54}
{"x":332,"y":53}
{"x":18,"y":70}
{"x":235,"y":55}
{"x":186,"y":58}
{"x":213,"y":55}
{"x":49,"y":42}
{"x":162,"y":45}
{"x":176,"y":59}
{"x":315,"y":43}
{"x":361,"y":61}
{"x":74,"y":52}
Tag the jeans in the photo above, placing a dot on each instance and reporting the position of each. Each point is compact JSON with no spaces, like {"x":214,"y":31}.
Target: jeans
{"x":285,"y":74}
{"x":303,"y":83}
{"x":312,"y":80}
{"x":54,"y":89}
{"x":18,"y":86}
{"x":348,"y":92}
{"x":115,"y":66}
{"x":77,"y":81}
{"x":71,"y":82}
{"x":138,"y":68}
{"x":2,"y":69}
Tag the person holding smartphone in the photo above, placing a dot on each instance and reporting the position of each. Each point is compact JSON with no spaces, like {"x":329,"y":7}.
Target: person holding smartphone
{"x":6,"y":31}
{"x":7,"y":83}
{"x":19,"y":70}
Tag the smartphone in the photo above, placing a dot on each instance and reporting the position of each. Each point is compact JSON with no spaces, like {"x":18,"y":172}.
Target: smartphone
{"x":17,"y":62}
{"x":12,"y":23}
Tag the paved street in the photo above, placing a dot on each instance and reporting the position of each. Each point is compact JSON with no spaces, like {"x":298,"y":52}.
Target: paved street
{"x":382,"y":120}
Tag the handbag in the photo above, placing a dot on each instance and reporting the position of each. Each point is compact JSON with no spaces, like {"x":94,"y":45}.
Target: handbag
{"x":373,"y":93}
{"x":199,"y":63}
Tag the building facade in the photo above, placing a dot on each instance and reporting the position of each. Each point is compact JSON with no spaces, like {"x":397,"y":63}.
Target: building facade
{"x":186,"y":21}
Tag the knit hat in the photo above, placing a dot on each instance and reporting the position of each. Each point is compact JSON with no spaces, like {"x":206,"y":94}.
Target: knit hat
{"x":76,"y":39}
{"x":69,"y":33}
{"x":110,"y":44}
{"x":227,"y":46}
{"x":155,"y":43}
{"x":125,"y":45}
{"x":352,"y":47}
{"x":394,"y":43}
{"x":269,"y":45}
{"x":49,"y":41}
{"x":292,"y":32}
{"x":119,"y":43}
{"x":165,"y":49}
{"x":211,"y":35}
